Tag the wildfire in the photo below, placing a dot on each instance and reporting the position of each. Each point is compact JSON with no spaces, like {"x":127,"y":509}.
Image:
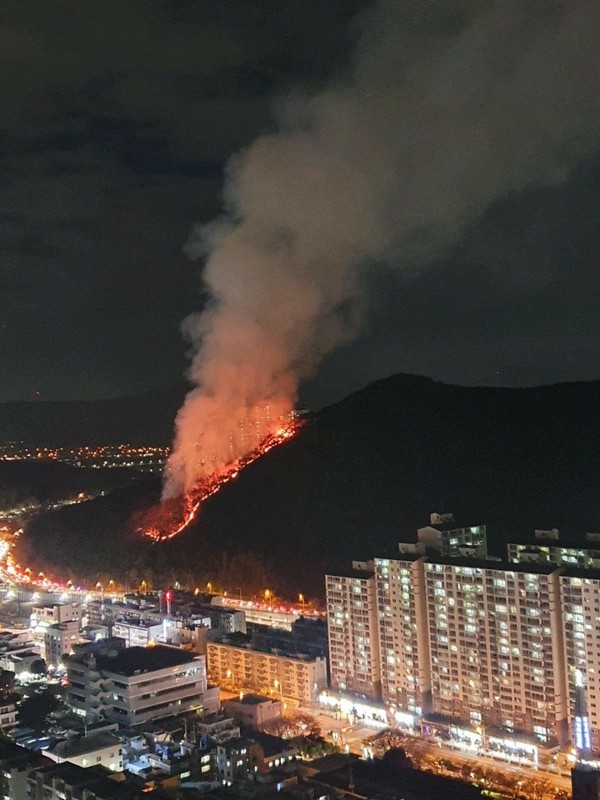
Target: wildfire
{"x":174,"y":516}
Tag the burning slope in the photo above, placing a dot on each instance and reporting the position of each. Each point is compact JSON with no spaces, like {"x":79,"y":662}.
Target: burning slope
{"x":383,"y":170}
{"x":174,"y":515}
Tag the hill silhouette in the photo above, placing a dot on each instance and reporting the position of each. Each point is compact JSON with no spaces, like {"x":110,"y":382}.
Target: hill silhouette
{"x":362,"y":475}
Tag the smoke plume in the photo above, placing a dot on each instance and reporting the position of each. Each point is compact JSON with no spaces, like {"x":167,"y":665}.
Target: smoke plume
{"x":447,"y":108}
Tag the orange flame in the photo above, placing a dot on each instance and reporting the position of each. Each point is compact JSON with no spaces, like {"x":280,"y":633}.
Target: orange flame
{"x":186,"y":508}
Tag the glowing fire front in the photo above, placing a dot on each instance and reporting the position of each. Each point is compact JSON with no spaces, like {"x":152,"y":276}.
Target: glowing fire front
{"x":174,"y":515}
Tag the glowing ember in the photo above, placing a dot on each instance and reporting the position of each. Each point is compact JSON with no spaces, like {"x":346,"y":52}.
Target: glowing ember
{"x":174,"y":516}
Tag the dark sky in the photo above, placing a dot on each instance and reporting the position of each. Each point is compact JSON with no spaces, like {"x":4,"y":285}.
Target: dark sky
{"x":117,"y":120}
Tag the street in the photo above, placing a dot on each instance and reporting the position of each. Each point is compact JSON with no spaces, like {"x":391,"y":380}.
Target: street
{"x":352,"y":737}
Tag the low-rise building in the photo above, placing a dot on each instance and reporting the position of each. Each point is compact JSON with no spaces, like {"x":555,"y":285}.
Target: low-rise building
{"x":16,"y":764}
{"x":8,"y":716}
{"x":136,"y":684}
{"x":138,"y":634}
{"x":253,"y":711}
{"x":295,"y":676}
{"x":102,"y":748}
{"x":58,"y":640}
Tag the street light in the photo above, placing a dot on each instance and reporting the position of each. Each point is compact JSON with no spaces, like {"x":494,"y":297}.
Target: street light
{"x":301,"y":600}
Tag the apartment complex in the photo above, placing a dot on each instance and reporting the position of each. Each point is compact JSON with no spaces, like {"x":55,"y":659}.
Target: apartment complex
{"x":511,"y":645}
{"x":298,"y":676}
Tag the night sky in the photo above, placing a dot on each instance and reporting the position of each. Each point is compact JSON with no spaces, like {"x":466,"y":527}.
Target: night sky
{"x":118,"y":119}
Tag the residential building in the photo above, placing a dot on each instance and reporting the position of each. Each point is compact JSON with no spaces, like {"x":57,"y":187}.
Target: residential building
{"x":236,"y":759}
{"x":59,"y":781}
{"x":479,"y":641}
{"x":8,"y":716}
{"x":16,"y":764}
{"x":548,"y":548}
{"x":354,"y":658}
{"x":58,"y":640}
{"x":444,"y":536}
{"x":403,"y":638}
{"x":104,"y":749}
{"x":580,"y":601}
{"x":138,"y":634}
{"x":491,"y":634}
{"x":296,"y":676}
{"x":244,"y":757}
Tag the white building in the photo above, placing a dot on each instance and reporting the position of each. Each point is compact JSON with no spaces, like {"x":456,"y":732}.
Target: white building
{"x":580,"y":595}
{"x":133,"y":685}
{"x":403,"y":638}
{"x":354,"y":659}
{"x":138,"y":634}
{"x":492,"y":635}
{"x":58,"y":640}
{"x":102,"y":748}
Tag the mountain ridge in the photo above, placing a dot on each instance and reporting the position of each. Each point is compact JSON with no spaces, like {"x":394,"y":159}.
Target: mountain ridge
{"x":364,"y":473}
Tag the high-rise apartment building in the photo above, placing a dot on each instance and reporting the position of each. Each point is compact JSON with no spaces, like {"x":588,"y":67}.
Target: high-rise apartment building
{"x":445,"y":536}
{"x":580,"y":600}
{"x":402,"y":631}
{"x":511,"y":645}
{"x":353,"y":631}
{"x":491,"y":630}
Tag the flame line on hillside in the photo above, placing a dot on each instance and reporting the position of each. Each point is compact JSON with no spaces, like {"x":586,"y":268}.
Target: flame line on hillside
{"x":213,"y":483}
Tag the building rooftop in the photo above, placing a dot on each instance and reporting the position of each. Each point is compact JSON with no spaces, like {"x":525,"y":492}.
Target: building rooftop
{"x":78,"y":746}
{"x":359,"y":574}
{"x":394,"y":554}
{"x":491,"y":564}
{"x":134,"y":660}
{"x":253,"y":699}
{"x":579,"y":572}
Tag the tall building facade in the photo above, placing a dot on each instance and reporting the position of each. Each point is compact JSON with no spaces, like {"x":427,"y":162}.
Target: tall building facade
{"x":491,"y":630}
{"x":354,"y":655}
{"x":513,"y":645}
{"x":402,"y":607}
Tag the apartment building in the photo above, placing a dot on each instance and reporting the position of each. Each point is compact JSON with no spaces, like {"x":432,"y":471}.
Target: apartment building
{"x":491,"y":633}
{"x":485,"y":642}
{"x":548,"y":548}
{"x":296,"y":676}
{"x":354,"y":656}
{"x":580,"y":600}
{"x":445,"y":536}
{"x":103,"y":748}
{"x":58,"y":640}
{"x":402,"y":630}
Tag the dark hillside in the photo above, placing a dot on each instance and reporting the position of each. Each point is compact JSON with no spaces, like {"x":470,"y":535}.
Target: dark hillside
{"x":367,"y":471}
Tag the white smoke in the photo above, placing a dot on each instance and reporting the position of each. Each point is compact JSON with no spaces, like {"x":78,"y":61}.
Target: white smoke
{"x":448,"y":108}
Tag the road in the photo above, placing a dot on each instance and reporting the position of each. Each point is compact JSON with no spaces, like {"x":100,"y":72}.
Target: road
{"x":352,"y":736}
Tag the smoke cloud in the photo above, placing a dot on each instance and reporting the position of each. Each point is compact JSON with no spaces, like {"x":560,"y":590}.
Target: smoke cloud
{"x":447,"y":108}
